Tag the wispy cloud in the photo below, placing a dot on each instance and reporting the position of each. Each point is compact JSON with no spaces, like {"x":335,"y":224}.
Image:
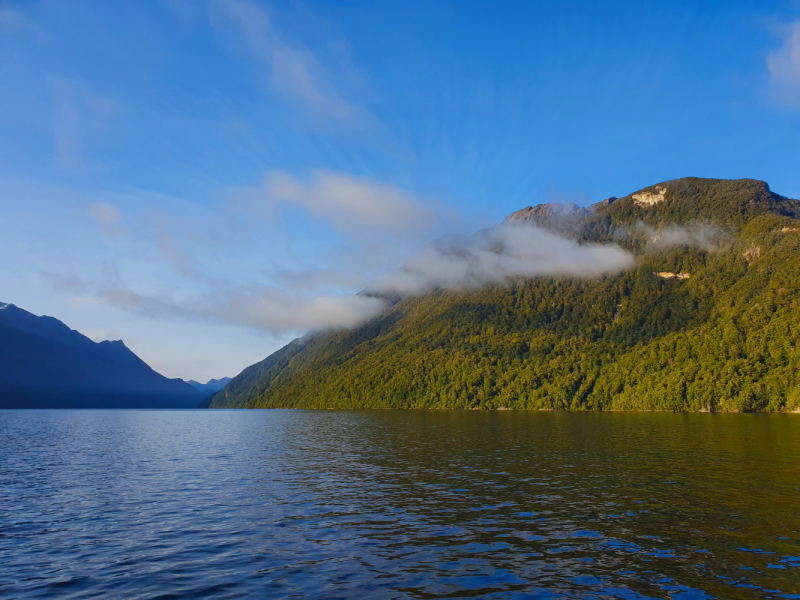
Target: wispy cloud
{"x":16,"y":21}
{"x":701,"y":235}
{"x":68,"y":283}
{"x":375,"y":218}
{"x":376,"y":226}
{"x":313,"y":280}
{"x":294,"y":70}
{"x":10,"y":19}
{"x":355,"y":206}
{"x":80,"y":119}
{"x":784,"y":66}
{"x":266,"y":309}
{"x":107,"y":218}
{"x":105,"y":214}
{"x":456,"y":262}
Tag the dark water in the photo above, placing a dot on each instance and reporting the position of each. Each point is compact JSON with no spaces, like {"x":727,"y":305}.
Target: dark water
{"x":389,"y":504}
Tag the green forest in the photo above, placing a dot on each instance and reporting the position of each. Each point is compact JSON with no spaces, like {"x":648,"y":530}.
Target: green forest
{"x":725,"y":338}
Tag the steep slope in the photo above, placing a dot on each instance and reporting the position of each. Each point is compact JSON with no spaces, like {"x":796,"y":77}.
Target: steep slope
{"x":45,"y":364}
{"x":709,"y":319}
{"x":255,"y":379}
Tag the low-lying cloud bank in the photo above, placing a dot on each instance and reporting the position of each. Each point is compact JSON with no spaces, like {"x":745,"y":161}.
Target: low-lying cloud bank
{"x":288,"y":304}
{"x":265,"y":309}
{"x":701,"y":235}
{"x":493,"y":255}
{"x":454,"y":262}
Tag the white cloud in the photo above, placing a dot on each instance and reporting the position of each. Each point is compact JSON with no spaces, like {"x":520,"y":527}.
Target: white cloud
{"x":356,"y":206}
{"x":80,"y":120}
{"x":285,"y":279}
{"x":10,"y":18}
{"x":267,"y":309}
{"x":278,"y":312}
{"x":180,"y":259}
{"x":294,"y":70}
{"x":784,"y":66}
{"x":319,"y":297}
{"x":456,"y":262}
{"x":496,"y":254}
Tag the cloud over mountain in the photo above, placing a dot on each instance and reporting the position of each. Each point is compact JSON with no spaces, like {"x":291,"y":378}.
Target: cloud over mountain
{"x":496,"y":254}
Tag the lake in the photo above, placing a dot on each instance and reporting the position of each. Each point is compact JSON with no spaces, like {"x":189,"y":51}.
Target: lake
{"x":398,"y":504}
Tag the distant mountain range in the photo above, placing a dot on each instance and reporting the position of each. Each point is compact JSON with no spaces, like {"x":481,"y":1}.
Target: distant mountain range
{"x":212,"y":385}
{"x":45,"y":364}
{"x":706,"y":318}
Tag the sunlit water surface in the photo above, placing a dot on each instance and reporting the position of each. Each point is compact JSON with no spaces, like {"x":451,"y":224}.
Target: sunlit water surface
{"x":390,"y":504}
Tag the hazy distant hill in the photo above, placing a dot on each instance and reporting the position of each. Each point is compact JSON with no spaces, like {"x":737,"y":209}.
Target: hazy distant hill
{"x":707,"y":319}
{"x":212,"y":385}
{"x":45,"y":364}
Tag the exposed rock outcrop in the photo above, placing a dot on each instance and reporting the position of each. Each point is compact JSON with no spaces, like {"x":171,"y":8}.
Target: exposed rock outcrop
{"x":670,"y":275}
{"x":646,"y":199}
{"x":752,"y":253}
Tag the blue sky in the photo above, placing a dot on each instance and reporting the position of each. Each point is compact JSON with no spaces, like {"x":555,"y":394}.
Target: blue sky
{"x":206,"y":179}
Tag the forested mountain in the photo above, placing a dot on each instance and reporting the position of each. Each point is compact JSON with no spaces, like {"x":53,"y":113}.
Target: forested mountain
{"x":45,"y":364}
{"x":708,"y":318}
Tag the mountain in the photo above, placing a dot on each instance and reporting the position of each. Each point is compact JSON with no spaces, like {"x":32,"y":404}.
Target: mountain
{"x":45,"y":364}
{"x":547,"y":211}
{"x":708,"y":318}
{"x":212,"y":385}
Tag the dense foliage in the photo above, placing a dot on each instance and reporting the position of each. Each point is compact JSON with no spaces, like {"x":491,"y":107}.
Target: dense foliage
{"x":725,"y":339}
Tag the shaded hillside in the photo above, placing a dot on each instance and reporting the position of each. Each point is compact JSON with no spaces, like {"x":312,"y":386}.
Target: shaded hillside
{"x":45,"y":364}
{"x":708,"y":321}
{"x":255,"y":379}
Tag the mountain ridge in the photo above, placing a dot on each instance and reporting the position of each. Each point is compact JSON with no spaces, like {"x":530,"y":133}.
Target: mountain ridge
{"x":45,"y":364}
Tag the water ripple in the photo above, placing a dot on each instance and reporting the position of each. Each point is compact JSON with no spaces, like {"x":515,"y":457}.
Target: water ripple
{"x":398,"y":504}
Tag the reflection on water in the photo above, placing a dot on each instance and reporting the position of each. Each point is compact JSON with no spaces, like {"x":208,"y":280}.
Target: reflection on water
{"x":398,"y":504}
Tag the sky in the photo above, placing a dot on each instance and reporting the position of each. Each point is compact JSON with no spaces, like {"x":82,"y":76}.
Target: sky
{"x":208,"y":179}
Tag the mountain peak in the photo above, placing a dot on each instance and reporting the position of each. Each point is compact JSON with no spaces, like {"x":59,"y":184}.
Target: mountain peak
{"x":546,"y":211}
{"x":114,"y":343}
{"x":212,"y":385}
{"x":603,"y":203}
{"x":45,"y":364}
{"x":44,"y":326}
{"x":730,"y":202}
